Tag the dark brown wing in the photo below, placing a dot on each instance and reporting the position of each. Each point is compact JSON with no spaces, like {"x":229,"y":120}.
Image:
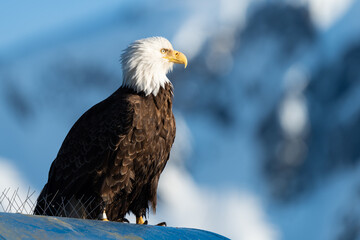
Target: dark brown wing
{"x":89,"y":146}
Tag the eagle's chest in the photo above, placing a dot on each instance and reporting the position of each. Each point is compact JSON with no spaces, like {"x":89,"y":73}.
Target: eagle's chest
{"x":157,"y":127}
{"x":146,"y":148}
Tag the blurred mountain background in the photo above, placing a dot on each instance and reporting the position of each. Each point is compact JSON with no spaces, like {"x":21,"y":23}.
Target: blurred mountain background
{"x":268,"y":110}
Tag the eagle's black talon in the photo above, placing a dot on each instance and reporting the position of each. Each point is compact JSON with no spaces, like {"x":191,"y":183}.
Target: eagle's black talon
{"x":146,"y":222}
{"x":123,"y":220}
{"x":162,"y":224}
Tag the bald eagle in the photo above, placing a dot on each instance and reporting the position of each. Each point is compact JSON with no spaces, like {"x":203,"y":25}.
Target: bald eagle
{"x":110,"y":161}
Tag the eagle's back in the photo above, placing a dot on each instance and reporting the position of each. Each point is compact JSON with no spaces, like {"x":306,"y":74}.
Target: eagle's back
{"x":112,"y":157}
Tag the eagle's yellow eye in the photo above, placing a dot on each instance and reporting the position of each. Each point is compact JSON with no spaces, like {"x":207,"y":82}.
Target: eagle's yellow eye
{"x":163,"y":50}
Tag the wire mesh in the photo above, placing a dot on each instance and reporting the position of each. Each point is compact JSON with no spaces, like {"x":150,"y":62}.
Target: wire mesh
{"x":15,"y":201}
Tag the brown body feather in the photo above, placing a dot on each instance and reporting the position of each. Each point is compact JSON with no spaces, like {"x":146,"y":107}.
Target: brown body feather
{"x":112,"y":157}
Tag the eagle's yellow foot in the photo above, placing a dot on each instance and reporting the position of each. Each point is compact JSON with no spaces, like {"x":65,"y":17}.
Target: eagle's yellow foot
{"x":140,"y":220}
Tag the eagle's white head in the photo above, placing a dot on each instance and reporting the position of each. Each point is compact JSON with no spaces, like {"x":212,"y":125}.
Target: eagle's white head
{"x":146,"y":62}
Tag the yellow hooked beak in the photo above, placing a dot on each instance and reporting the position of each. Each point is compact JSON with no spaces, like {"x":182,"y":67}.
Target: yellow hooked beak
{"x":176,"y":57}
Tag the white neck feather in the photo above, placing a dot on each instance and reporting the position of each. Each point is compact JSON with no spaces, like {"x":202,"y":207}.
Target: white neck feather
{"x":144,"y":68}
